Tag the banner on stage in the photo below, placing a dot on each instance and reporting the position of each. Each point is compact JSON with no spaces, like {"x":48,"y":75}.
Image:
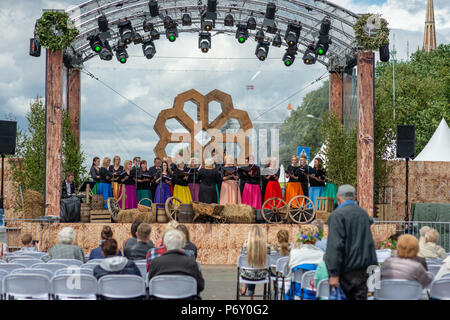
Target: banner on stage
{"x":303,"y":151}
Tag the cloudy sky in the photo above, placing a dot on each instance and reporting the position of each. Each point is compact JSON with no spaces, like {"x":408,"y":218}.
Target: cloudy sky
{"x":113,"y":125}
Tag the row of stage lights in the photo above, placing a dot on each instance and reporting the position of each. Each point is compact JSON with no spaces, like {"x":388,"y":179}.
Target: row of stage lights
{"x":99,"y":41}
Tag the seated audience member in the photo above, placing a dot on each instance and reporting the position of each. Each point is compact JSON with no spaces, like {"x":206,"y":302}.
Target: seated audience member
{"x":422,"y":232}
{"x":321,"y":274}
{"x":422,"y":261}
{"x":174,"y":261}
{"x":445,"y":268}
{"x":65,"y":249}
{"x":189,"y":248}
{"x":27,"y":243}
{"x":143,"y":244}
{"x":160,"y":249}
{"x":97,"y":253}
{"x":322,"y":243}
{"x":430,"y":248}
{"x":403,"y":266}
{"x":114,"y":264}
{"x":133,"y":240}
{"x":283,"y":246}
{"x":256,"y":248}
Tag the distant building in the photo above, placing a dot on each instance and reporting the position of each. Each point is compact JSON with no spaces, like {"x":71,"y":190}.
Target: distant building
{"x":429,"y":37}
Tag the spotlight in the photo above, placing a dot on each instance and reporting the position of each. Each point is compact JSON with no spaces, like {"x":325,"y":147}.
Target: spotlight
{"x":270,"y":11}
{"x":276,"y":42}
{"x":384,"y":53}
{"x":172,"y":34}
{"x":269,"y":19}
{"x":292,"y":34}
{"x":147,"y":26}
{"x":186,"y":20}
{"x":262,"y":49}
{"x":325,"y":27}
{"x":241,"y":33}
{"x":321,"y":48}
{"x":95,"y":43}
{"x":126,"y":31}
{"x":259,"y":37}
{"x":106,"y":53}
{"x":351,"y":60}
{"x":207,"y":25}
{"x":35,"y":47}
{"x":204,"y":41}
{"x":154,"y":34}
{"x":309,"y":57}
{"x":154,"y":9}
{"x":102,"y":23}
{"x":121,"y":52}
{"x":148,"y":47}
{"x":212,"y":6}
{"x":324,"y":38}
{"x":168,"y":22}
{"x":251,"y":23}
{"x":288,"y":58}
{"x":229,"y":20}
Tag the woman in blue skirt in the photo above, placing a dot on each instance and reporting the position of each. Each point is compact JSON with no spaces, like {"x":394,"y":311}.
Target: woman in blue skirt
{"x":104,"y":187}
{"x":163,"y":180}
{"x":317,"y":181}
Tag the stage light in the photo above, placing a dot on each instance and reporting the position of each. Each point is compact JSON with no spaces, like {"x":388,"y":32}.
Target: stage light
{"x":106,"y":53}
{"x":384,"y":53}
{"x":262,"y":50}
{"x":292,"y":34}
{"x":172,"y":34}
{"x":288,"y":59}
{"x":102,"y":24}
{"x":154,"y":9}
{"x":154,"y":34}
{"x":321,"y":48}
{"x":212,"y":6}
{"x":168,"y":22}
{"x":121,"y":52}
{"x":324,"y":39}
{"x":229,"y":20}
{"x":309,"y":57}
{"x":126,"y":31}
{"x":186,"y":20}
{"x":95,"y":43}
{"x":241,"y":33}
{"x":35,"y":47}
{"x":276,"y":42}
{"x":204,"y":41}
{"x":207,"y":25}
{"x":270,"y":11}
{"x":269,"y":18}
{"x":325,"y":27}
{"x":147,"y":25}
{"x":251,"y":23}
{"x":259,"y":37}
{"x":148,"y":48}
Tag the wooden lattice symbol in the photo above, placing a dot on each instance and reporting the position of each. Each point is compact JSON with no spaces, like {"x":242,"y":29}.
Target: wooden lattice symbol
{"x":202,"y":124}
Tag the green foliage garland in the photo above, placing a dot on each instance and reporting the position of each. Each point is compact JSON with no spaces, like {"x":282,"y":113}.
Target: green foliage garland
{"x":366,"y":41}
{"x":47,"y":37}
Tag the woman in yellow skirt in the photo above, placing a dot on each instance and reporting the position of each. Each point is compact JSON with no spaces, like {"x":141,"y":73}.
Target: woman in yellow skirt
{"x":181,"y":181}
{"x":116,"y":169}
{"x":293,"y":187}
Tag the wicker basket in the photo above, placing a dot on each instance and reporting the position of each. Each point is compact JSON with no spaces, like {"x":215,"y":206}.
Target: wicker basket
{"x":98,"y":202}
{"x":144,"y":208}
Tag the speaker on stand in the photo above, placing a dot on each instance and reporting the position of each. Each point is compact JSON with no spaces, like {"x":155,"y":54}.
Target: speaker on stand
{"x":406,"y":145}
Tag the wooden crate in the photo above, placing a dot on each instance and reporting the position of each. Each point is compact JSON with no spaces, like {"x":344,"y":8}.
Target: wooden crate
{"x":324,"y":207}
{"x":100,"y":216}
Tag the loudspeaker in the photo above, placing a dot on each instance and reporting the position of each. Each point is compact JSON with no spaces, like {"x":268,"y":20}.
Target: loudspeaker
{"x":406,"y":141}
{"x":8,"y":130}
{"x":384,"y":53}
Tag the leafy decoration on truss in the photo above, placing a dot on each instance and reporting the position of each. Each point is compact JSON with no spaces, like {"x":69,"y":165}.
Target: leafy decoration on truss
{"x":54,"y":30}
{"x":367,"y":41}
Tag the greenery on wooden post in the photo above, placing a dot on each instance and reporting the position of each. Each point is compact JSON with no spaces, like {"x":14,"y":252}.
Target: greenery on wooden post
{"x":367,"y":41}
{"x":55,"y":30}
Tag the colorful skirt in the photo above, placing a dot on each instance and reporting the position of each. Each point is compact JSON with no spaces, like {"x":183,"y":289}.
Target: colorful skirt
{"x":130,"y":197}
{"x":116,"y":189}
{"x":195,"y":189}
{"x":330,"y":191}
{"x":183,"y":193}
{"x":105,"y":189}
{"x":95,"y":188}
{"x":273,"y":190}
{"x":162,"y":193}
{"x":218,"y":194}
{"x":315,"y":192}
{"x":293,"y":189}
{"x":229,"y":192}
{"x":142,"y":194}
{"x":252,"y":195}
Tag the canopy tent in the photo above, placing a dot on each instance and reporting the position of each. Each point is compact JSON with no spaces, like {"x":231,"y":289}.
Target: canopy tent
{"x":320,"y":154}
{"x":438,"y":148}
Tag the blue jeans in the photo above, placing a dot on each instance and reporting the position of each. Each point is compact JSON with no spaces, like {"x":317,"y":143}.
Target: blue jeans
{"x":251,"y":289}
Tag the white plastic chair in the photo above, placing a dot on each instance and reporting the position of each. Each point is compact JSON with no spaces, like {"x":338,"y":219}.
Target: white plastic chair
{"x":35,"y":255}
{"x":307,"y":278}
{"x":446,"y":275}
{"x":121,"y":286}
{"x":323,"y":290}
{"x":242,"y":264}
{"x":440,"y":289}
{"x":280,"y":274}
{"x":274,"y":256}
{"x":89,"y":266}
{"x":15,"y":257}
{"x":27,"y":287}
{"x":94,"y":261}
{"x":74,"y":287}
{"x":3,"y":273}
{"x":383,"y":254}
{"x":8,"y":267}
{"x":74,"y":270}
{"x":43,"y":272}
{"x":49,"y":266}
{"x":28,"y":262}
{"x":398,"y":290}
{"x":67,"y":262}
{"x":434,"y":269}
{"x":433,"y":261}
{"x":172,"y":287}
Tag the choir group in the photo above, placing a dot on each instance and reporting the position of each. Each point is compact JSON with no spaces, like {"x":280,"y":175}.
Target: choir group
{"x":212,"y":183}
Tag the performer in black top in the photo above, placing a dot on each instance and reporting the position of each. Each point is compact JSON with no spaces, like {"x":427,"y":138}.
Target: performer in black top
{"x":209,"y":178}
{"x":317,"y":180}
{"x":95,"y":174}
{"x":104,"y":187}
{"x":293,"y":187}
{"x":162,"y":182}
{"x":305,"y":171}
{"x":128,"y":180}
{"x":229,"y":192}
{"x":243,"y":175}
{"x":143,"y":184}
{"x":266,"y":164}
{"x":116,"y":169}
{"x":194,"y":182}
{"x":252,"y":191}
{"x":181,"y":181}
{"x":153,"y":172}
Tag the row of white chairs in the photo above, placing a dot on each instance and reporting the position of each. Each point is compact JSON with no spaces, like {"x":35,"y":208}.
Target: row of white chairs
{"x":26,"y":286}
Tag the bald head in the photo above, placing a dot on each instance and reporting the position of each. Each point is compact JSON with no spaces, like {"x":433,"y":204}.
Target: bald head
{"x":346,"y":192}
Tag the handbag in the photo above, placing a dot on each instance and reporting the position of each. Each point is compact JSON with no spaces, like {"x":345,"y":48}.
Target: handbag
{"x":337,"y":294}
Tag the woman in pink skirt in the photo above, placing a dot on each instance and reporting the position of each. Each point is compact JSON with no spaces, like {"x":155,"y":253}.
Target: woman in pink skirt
{"x":252,"y":190}
{"x":127,"y":179}
{"x":229,"y":191}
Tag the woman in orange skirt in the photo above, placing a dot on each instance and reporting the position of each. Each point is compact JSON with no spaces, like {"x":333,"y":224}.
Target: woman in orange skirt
{"x":273,"y":189}
{"x":293,"y":187}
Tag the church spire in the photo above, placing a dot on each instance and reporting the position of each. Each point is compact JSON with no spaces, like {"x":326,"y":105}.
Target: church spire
{"x":429,"y":38}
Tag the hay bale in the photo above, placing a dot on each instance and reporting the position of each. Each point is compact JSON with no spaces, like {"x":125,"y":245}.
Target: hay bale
{"x":33,"y":204}
{"x":130,"y":215}
{"x":238,"y":213}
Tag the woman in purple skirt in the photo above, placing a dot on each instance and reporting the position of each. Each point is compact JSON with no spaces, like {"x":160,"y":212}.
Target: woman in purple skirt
{"x":164,"y":178}
{"x":194,"y":181}
{"x":128,"y":181}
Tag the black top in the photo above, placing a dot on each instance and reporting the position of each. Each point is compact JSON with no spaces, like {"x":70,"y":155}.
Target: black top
{"x":190,"y":246}
{"x":65,"y":190}
{"x":303,"y":171}
{"x":128,"y":179}
{"x":319,"y":174}
{"x":293,"y":171}
{"x":166,"y":178}
{"x":193,"y":174}
{"x":209,"y":177}
{"x":139,"y":250}
{"x":94,"y":173}
{"x":228,"y":171}
{"x":179,"y":177}
{"x":115,"y":173}
{"x":251,"y":174}
{"x":143,"y":175}
{"x":105,"y":175}
{"x":268,"y":175}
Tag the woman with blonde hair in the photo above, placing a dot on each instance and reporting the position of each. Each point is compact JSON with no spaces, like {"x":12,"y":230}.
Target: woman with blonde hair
{"x":229,"y":191}
{"x":104,"y":187}
{"x":209,"y":178}
{"x":128,"y":181}
{"x":181,"y":182}
{"x":116,"y":169}
{"x":282,"y":246}
{"x":256,"y":248}
{"x":194,"y":184}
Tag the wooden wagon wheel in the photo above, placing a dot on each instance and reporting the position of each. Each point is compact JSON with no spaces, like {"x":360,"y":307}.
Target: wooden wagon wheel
{"x":113,"y":208}
{"x":301,"y":210}
{"x":173,"y":208}
{"x":274,"y":210}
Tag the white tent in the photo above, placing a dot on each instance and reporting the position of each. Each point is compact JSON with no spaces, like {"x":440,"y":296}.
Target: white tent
{"x":282,"y":177}
{"x":319,"y":154}
{"x":438,"y":148}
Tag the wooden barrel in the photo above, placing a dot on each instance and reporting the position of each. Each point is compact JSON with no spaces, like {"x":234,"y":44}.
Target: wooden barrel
{"x":97,"y":202}
{"x":186,"y":214}
{"x":161,"y":216}
{"x":85,"y":213}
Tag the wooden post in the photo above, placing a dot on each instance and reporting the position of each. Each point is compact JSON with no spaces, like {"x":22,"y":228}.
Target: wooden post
{"x":336,"y":104}
{"x":365,"y":145}
{"x":74,"y":101}
{"x":53,"y":132}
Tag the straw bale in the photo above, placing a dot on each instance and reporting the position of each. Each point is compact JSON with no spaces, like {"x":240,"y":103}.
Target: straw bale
{"x":33,"y":207}
{"x":238,"y":213}
{"x":130,"y":215}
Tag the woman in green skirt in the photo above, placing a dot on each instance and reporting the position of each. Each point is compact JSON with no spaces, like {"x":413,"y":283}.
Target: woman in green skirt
{"x":95,"y":173}
{"x":143,"y":185}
